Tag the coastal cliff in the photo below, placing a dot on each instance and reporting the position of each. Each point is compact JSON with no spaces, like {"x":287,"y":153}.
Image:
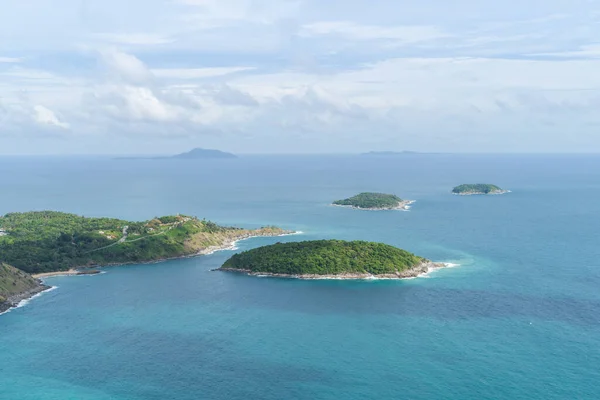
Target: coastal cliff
{"x":16,"y":285}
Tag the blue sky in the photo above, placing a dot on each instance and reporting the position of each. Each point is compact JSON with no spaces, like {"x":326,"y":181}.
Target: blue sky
{"x":267,"y":76}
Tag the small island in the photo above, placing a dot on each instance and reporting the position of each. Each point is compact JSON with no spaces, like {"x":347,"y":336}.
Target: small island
{"x":333,"y":259}
{"x":478,"y":189}
{"x":375,"y":201}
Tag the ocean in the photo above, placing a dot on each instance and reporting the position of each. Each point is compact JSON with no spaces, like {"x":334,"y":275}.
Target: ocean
{"x":517,"y":318}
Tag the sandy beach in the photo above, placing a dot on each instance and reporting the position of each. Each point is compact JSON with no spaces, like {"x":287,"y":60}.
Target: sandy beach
{"x":57,"y":273}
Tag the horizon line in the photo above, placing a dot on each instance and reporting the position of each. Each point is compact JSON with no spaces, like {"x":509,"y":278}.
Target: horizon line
{"x":390,"y":153}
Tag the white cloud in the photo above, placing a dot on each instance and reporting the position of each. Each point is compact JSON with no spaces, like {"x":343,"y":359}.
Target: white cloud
{"x":267,"y":69}
{"x":354,"y":31}
{"x":197,"y":73}
{"x":140,"y":103}
{"x":224,"y":12}
{"x":124,"y":66}
{"x":10,"y":60}
{"x":142,"y":39}
{"x":45,"y":116}
{"x":587,"y":51}
{"x":21,"y":80}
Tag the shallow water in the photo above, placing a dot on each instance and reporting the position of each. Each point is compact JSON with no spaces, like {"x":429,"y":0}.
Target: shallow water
{"x":518,"y":319}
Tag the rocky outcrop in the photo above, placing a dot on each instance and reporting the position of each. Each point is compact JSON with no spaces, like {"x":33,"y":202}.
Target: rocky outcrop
{"x":16,"y":286}
{"x":414,"y":272}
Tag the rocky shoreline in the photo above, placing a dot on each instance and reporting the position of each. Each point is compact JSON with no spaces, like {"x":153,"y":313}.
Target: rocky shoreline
{"x":416,"y":271}
{"x":403,"y":205}
{"x":14,"y":300}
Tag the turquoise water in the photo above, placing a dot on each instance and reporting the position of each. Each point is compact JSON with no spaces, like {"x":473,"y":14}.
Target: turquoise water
{"x":518,"y":319}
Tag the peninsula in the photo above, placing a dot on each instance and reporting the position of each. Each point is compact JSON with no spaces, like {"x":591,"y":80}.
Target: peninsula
{"x":333,"y":259}
{"x":478,"y":189}
{"x":375,"y":201}
{"x":50,"y":241}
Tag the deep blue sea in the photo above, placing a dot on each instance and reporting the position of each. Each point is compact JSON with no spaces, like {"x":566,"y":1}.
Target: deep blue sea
{"x":518,"y":319}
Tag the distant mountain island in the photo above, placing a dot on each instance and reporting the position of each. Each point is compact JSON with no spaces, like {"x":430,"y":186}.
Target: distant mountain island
{"x":194,"y":154}
{"x":478,"y":189}
{"x":389,"y":153}
{"x":336,"y":259}
{"x":203,"y":153}
{"x":375,"y":201}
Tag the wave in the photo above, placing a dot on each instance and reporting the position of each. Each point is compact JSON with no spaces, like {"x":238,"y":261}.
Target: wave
{"x":234,"y":245}
{"x":24,"y":302}
{"x":363,"y":278}
{"x":231,"y":247}
{"x":97,"y":273}
{"x":433,"y":269}
{"x":451,"y":265}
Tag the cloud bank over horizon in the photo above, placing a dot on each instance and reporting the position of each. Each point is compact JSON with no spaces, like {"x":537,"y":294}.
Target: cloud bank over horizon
{"x":266,"y":76}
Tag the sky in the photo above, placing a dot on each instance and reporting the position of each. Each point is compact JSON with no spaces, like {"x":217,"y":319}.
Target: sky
{"x":299,"y":76}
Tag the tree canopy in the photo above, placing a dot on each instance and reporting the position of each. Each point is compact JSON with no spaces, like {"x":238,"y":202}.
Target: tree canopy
{"x":324,"y":257}
{"x":477,"y":188}
{"x":53,"y":241}
{"x":371,"y":200}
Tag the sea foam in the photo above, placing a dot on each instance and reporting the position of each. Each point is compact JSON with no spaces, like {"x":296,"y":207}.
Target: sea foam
{"x":24,"y":302}
{"x":431,"y":270}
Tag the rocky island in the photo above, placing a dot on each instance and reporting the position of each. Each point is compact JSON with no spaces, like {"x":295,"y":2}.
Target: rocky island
{"x":375,"y":201}
{"x":333,"y":259}
{"x":49,"y":241}
{"x":478,"y":189}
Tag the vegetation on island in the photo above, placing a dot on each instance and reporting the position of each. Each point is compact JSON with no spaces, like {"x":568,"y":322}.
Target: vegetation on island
{"x":369,"y":200}
{"x":478,"y":188}
{"x":48,"y":241}
{"x":324,"y":257}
